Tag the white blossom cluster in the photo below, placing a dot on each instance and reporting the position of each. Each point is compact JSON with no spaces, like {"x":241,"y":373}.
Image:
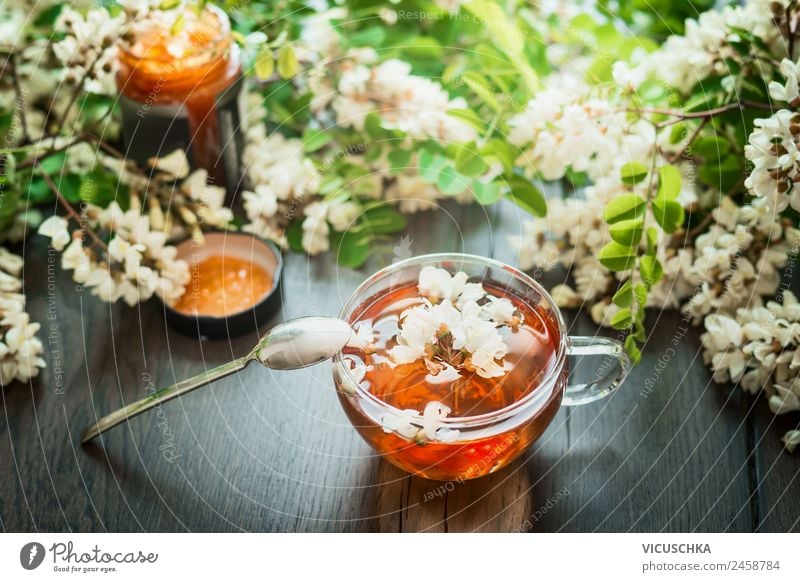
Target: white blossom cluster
{"x":410,"y":425}
{"x":737,"y":261}
{"x":415,"y":105}
{"x":284,"y":183}
{"x":355,"y":84}
{"x":195,"y":199}
{"x":759,"y":348}
{"x":87,"y":51}
{"x":35,"y":69}
{"x":458,"y":313}
{"x":701,"y":51}
{"x":456,"y":324}
{"x":773,"y":150}
{"x":564,"y":127}
{"x":136,"y":264}
{"x":20,"y":349}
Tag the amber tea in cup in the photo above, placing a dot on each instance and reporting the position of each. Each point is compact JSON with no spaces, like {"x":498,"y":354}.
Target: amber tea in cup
{"x":460,"y":365}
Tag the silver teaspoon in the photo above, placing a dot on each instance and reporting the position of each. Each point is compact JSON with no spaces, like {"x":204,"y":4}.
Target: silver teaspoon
{"x":294,"y":344}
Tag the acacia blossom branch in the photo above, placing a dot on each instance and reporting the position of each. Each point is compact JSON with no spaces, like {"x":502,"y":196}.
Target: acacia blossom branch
{"x":682,"y":115}
{"x":72,"y":212}
{"x":34,"y":161}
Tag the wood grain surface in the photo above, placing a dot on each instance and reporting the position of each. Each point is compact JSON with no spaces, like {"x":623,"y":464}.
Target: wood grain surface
{"x":265,"y":451}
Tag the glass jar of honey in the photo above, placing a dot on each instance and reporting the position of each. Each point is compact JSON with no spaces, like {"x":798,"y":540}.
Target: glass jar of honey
{"x":180,"y":82}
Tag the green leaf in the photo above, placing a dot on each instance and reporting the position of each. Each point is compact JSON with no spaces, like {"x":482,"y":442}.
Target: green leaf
{"x":505,"y":152}
{"x":371,"y":37}
{"x":431,"y":165}
{"x":640,"y":295}
{"x":469,"y":162}
{"x":482,"y":87}
{"x":38,"y":191}
{"x":633,"y":173}
{"x":527,"y":196}
{"x":178,"y":25}
{"x":633,"y":351}
{"x":98,"y":187}
{"x":88,"y":190}
{"x":351,"y":248}
{"x":314,"y":140}
{"x":669,"y":182}
{"x":622,"y":319}
{"x":330,"y":184}
{"x":9,"y":205}
{"x":721,"y":174}
{"x":505,"y":32}
{"x":450,"y":182}
{"x":624,"y":295}
{"x":52,"y":164}
{"x":617,"y":257}
{"x":294,"y":236}
{"x":652,"y":240}
{"x":48,"y":16}
{"x":373,"y":152}
{"x":399,"y":160}
{"x":679,"y":132}
{"x":486,"y":193}
{"x":468,"y":116}
{"x":265,"y":64}
{"x":651,"y":270}
{"x":422,"y":48}
{"x":8,"y":171}
{"x":287,"y":62}
{"x":627,"y":232}
{"x":70,"y":186}
{"x":668,"y":214}
{"x":710,"y":147}
{"x":625,"y":207}
{"x":382,"y":218}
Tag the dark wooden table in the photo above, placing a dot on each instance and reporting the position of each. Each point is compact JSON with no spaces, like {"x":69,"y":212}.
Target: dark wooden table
{"x":266,"y":451}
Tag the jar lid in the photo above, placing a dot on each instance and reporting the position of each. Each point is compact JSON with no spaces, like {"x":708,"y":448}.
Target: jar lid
{"x":236,"y":245}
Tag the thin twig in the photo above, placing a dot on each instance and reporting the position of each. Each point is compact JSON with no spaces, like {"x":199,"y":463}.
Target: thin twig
{"x":700,"y":226}
{"x":681,"y":115}
{"x":75,"y":93}
{"x":105,"y":146}
{"x":692,"y":137}
{"x":12,"y":61}
{"x":72,"y":212}
{"x":29,"y":163}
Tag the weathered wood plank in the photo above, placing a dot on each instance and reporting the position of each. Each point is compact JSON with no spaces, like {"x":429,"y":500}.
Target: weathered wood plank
{"x":777,"y":473}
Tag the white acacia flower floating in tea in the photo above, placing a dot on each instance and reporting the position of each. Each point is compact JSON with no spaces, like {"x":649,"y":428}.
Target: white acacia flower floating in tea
{"x":430,"y":427}
{"x":456,"y":324}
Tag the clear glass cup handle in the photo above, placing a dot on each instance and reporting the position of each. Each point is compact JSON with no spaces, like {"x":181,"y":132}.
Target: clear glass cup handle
{"x":612,"y":368}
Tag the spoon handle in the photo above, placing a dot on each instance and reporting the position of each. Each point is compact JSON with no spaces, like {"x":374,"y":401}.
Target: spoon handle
{"x":163,"y":395}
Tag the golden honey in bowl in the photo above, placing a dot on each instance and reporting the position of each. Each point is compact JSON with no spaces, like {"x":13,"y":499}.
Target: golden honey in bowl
{"x":425,"y":406}
{"x":222,"y":285}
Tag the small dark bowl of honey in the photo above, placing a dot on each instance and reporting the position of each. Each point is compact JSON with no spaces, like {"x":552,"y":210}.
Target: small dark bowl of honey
{"x":234,"y":285}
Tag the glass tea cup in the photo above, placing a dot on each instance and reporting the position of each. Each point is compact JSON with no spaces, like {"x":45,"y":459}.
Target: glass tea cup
{"x":481,"y":443}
